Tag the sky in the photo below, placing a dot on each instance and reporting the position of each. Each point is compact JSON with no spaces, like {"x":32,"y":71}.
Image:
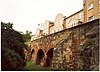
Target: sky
{"x":27,"y":14}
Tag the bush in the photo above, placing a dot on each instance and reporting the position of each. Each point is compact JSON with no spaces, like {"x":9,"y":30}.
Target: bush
{"x":12,"y":44}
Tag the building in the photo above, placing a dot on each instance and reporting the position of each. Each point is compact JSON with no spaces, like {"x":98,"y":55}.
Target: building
{"x":58,"y":23}
{"x":51,"y":27}
{"x":91,"y":10}
{"x":39,"y":33}
{"x":48,"y":27}
{"x":73,"y":20}
{"x":99,"y":8}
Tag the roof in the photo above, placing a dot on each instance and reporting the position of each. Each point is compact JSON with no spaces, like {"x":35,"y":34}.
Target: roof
{"x":73,"y":14}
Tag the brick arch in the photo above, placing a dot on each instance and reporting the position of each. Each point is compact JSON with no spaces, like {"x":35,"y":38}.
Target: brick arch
{"x":40,"y":46}
{"x":40,"y":56}
{"x":32,"y":52}
{"x":49,"y":47}
{"x":49,"y":57}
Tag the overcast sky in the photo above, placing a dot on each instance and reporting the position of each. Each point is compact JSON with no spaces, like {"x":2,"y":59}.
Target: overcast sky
{"x":27,"y":14}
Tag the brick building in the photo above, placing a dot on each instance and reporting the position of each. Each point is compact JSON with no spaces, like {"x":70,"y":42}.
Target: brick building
{"x":48,"y":27}
{"x":73,"y":19}
{"x":89,"y":12}
{"x":58,"y":23}
{"x":51,"y":27}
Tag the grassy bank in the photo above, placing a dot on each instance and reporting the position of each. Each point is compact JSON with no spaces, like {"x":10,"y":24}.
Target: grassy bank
{"x":32,"y":67}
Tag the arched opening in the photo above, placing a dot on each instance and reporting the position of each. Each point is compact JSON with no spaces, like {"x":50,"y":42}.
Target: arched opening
{"x":49,"y":58}
{"x":40,"y":56}
{"x":32,"y":54}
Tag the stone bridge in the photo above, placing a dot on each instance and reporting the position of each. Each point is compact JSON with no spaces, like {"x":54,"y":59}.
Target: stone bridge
{"x":60,"y":50}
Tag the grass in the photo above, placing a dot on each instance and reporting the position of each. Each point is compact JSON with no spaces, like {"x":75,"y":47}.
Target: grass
{"x":32,"y":67}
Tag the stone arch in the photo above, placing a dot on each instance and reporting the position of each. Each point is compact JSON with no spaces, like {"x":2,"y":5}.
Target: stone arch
{"x":49,"y":58}
{"x":32,"y":52}
{"x":40,"y":56}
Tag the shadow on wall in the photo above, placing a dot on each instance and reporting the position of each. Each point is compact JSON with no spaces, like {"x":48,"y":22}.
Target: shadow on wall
{"x":32,"y":54}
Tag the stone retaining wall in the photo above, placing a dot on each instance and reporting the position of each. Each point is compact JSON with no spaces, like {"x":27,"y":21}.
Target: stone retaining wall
{"x":66,"y":44}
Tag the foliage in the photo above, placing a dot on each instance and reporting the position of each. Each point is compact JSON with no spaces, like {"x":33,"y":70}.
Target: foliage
{"x":33,"y":67}
{"x":11,"y":60}
{"x":12,"y":45}
{"x":6,"y":25}
{"x":27,"y":36}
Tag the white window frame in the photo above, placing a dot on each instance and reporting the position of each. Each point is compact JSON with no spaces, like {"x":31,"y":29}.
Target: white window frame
{"x":80,"y":16}
{"x":90,"y":6}
{"x":99,"y":1}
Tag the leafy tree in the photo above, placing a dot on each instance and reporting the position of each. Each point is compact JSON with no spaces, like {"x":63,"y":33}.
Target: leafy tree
{"x":12,"y":48}
{"x":27,"y":36}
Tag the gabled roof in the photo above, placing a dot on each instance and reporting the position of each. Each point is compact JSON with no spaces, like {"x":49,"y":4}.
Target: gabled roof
{"x":73,"y":14}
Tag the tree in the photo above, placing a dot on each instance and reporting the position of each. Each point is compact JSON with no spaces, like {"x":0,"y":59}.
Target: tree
{"x":12,"y":48}
{"x":27,"y":36}
{"x":6,"y":25}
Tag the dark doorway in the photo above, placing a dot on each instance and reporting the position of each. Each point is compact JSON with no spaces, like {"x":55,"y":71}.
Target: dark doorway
{"x":40,"y":56}
{"x":49,"y":58}
{"x":31,"y":54}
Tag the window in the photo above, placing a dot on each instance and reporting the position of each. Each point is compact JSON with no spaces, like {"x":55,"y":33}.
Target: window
{"x":84,"y":1}
{"x":99,"y":14}
{"x":80,"y":16}
{"x":90,"y":6}
{"x":69,"y":19}
{"x":99,"y":1}
{"x":72,"y":23}
{"x":90,"y":18}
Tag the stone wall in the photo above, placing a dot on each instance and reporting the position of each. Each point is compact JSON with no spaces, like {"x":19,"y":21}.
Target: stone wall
{"x":89,"y":51}
{"x":66,"y":53}
{"x":65,"y":44}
